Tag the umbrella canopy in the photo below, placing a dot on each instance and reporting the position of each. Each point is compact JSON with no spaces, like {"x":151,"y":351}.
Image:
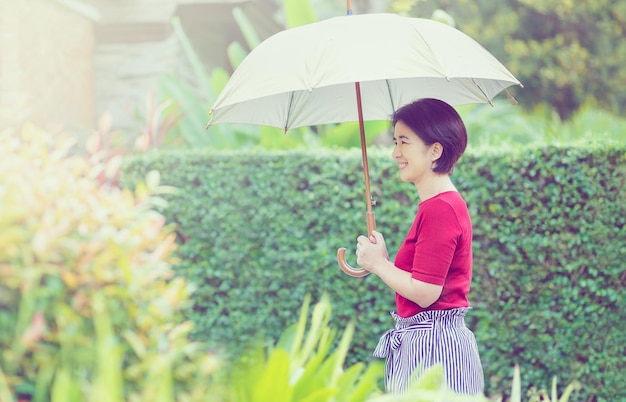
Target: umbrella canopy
{"x":357,"y":68}
{"x":305,"y":76}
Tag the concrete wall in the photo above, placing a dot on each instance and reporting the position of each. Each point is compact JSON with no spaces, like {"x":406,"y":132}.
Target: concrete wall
{"x":128,"y":72}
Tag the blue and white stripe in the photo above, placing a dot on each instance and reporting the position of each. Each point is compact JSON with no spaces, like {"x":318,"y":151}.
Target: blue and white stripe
{"x":428,"y":338}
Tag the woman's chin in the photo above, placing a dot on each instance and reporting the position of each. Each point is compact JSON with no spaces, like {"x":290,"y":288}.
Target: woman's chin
{"x":404,"y":177}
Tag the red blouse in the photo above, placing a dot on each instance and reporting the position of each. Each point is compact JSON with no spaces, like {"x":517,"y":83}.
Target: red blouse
{"x":438,"y":250}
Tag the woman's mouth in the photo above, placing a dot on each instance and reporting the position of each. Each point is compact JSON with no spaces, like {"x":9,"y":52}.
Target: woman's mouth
{"x":402,"y":165}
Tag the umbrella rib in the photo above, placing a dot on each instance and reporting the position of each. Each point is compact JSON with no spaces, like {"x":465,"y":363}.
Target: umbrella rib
{"x":286,"y":127}
{"x":483,"y":92}
{"x":393,"y":107}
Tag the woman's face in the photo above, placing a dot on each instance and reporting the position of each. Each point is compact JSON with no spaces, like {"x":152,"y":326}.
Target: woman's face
{"x":414,"y":157}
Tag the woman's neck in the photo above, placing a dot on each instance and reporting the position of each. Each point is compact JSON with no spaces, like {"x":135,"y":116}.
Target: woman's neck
{"x":433,"y":185}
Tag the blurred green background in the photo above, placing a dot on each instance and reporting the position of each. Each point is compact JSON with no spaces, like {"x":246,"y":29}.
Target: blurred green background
{"x":126,"y":78}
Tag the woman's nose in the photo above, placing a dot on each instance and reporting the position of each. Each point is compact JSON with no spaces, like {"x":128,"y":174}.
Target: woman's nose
{"x":395,"y":153}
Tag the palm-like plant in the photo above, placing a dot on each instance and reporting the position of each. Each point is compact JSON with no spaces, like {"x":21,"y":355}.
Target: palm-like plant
{"x":541,"y":395}
{"x":302,"y":367}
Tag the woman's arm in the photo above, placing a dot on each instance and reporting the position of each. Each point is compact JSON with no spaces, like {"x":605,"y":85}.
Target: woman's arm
{"x":372,"y":255}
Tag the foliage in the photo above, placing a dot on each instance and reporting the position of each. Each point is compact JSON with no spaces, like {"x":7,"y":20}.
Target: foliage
{"x":91,"y":309}
{"x":157,"y":126}
{"x":566,"y":54}
{"x":304,"y":366}
{"x":259,"y":230}
{"x":508,"y":125}
{"x":549,"y":246}
{"x":541,"y":395}
{"x":430,"y":387}
{"x":105,"y":147}
{"x":195,"y":103}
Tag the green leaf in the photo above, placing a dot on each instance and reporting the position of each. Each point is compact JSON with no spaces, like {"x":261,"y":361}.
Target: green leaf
{"x":298,"y":12}
{"x":65,"y":388}
{"x":246,"y":28}
{"x":236,"y":54}
{"x":5,"y":391}
{"x":516,"y":388}
{"x":199,"y":70}
{"x":273,"y":383}
{"x":367,"y":383}
{"x":196,"y":116}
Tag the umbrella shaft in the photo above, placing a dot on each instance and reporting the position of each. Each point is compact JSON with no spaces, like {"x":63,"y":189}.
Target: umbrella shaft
{"x":371,"y":223}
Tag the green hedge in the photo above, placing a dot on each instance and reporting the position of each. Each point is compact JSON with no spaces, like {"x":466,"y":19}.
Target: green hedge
{"x":260,"y":230}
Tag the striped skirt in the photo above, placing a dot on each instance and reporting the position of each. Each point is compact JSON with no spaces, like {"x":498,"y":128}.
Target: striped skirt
{"x":428,"y":338}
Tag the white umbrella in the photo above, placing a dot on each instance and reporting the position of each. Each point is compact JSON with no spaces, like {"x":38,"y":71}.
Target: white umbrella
{"x":319,"y":73}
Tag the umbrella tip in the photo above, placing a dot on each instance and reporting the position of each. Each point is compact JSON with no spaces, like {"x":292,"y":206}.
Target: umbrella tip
{"x":285,"y":130}
{"x":209,"y":123}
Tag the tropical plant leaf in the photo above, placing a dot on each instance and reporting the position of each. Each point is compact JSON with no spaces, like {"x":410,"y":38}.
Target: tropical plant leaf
{"x":273,"y":383}
{"x":298,"y":12}
{"x":246,"y":28}
{"x":198,"y":67}
{"x":191,"y":127}
{"x":219,"y":78}
{"x":64,"y":388}
{"x":236,"y":53}
{"x":433,"y":379}
{"x":5,"y":390}
{"x":367,"y":383}
{"x":516,"y":388}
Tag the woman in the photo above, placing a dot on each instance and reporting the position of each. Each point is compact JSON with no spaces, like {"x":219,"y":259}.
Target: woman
{"x":432,"y":270}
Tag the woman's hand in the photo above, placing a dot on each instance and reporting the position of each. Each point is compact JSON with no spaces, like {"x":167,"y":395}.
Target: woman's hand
{"x":372,"y":253}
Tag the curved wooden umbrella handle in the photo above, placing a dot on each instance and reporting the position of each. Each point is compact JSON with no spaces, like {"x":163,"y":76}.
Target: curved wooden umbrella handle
{"x":341,"y":253}
{"x":347,"y":268}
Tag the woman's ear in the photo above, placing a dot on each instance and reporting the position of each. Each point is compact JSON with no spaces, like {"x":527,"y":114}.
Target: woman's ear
{"x":436,"y":150}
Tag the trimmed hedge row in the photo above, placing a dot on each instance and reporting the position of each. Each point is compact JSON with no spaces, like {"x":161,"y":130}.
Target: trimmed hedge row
{"x":259,"y":230}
